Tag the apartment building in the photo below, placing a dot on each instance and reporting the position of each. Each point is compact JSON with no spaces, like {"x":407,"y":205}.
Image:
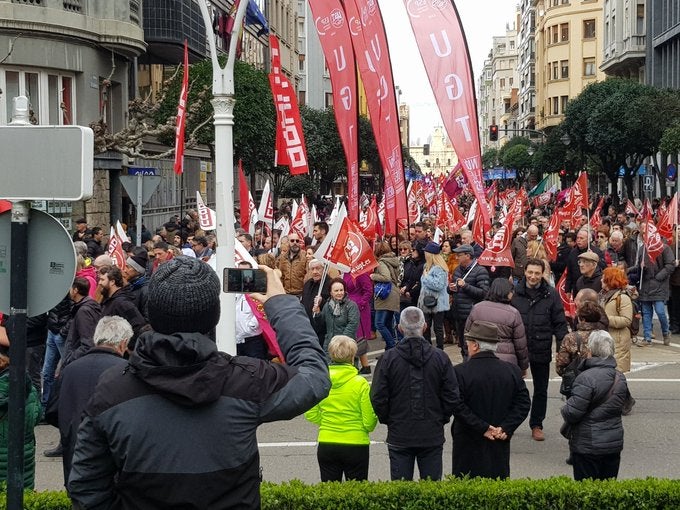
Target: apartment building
{"x":526,"y":65}
{"x":624,"y":39}
{"x":663,"y":43}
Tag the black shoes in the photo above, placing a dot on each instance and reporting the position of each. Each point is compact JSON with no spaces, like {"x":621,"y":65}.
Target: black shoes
{"x":54,"y":452}
{"x":365,"y":370}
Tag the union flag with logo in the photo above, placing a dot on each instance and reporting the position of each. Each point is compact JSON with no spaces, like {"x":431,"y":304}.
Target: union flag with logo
{"x":351,"y":249}
{"x":566,"y":298}
{"x":498,"y":253}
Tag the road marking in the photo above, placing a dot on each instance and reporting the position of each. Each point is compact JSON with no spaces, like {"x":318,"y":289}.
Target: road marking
{"x":298,"y":443}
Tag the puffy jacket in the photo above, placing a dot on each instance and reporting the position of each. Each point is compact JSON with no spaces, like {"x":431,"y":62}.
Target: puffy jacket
{"x":59,"y":315}
{"x":543,"y":316}
{"x":178,"y":427}
{"x":512,"y":341}
{"x":435,"y":282}
{"x":596,"y":429}
{"x":346,"y":415}
{"x":656,"y":275}
{"x":343,"y":321}
{"x":86,"y":315}
{"x":31,"y":419}
{"x":415,"y":392}
{"x":474,"y":291}
{"x":387,"y":271}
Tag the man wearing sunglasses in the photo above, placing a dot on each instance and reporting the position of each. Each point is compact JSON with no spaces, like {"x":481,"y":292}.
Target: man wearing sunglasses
{"x":293,"y":266}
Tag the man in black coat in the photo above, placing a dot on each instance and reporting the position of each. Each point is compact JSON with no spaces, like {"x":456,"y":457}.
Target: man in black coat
{"x":77,"y":382}
{"x":120,"y":300}
{"x":583,"y":244}
{"x":310,"y":291}
{"x":414,"y":392}
{"x":496,"y":403}
{"x":543,"y":315}
{"x":86,"y":312}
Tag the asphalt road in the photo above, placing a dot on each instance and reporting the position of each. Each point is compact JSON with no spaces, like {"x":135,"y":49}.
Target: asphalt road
{"x":288,"y":449}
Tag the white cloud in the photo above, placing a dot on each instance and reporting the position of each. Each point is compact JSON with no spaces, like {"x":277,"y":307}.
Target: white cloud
{"x":482,"y":20}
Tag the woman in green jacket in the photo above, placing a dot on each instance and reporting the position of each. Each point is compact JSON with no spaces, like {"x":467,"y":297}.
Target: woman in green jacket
{"x":33,"y":410}
{"x":340,"y":313}
{"x":345,"y":417}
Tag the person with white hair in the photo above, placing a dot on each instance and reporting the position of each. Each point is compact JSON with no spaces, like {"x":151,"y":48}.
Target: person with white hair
{"x":592,"y":415}
{"x":414,"y":392}
{"x":78,"y":379}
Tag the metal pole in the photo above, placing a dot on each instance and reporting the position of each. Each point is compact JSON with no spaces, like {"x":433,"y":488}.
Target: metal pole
{"x":140,"y":198}
{"x":223,"y":104}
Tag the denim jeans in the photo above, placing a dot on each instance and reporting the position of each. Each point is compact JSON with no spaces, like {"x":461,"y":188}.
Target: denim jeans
{"x":648,"y":309}
{"x":53,"y":353}
{"x":384,"y":323}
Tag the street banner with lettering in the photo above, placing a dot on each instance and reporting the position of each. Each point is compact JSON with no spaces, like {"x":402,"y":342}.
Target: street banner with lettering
{"x":207,"y":219}
{"x":290,"y":141}
{"x":336,"y":42}
{"x":441,"y":41}
{"x":373,"y":59}
{"x":181,"y":115}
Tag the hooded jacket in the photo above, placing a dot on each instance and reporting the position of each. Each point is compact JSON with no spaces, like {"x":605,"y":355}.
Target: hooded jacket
{"x":346,"y":416}
{"x":177,"y":428}
{"x":414,"y":392}
{"x":387,"y":271}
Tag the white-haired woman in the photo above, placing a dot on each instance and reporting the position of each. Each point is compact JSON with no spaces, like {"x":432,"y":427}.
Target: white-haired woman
{"x":592,"y":414}
{"x":345,"y":417}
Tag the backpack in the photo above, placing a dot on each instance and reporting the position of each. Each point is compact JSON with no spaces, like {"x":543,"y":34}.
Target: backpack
{"x":634,"y":327}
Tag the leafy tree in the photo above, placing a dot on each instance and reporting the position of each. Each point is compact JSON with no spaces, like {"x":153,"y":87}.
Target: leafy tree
{"x":490,"y":157}
{"x":670,"y":141}
{"x":518,"y":158}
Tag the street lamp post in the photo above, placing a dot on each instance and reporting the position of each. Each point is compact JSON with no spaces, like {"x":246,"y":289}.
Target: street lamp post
{"x":566,"y":140}
{"x":223,"y":104}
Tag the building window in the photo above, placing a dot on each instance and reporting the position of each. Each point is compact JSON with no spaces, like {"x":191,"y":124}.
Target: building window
{"x":329,"y":99}
{"x":589,"y":29}
{"x":502,"y":83}
{"x":589,"y":67}
{"x":511,"y":81}
{"x":556,"y":105}
{"x":302,"y":97}
{"x":564,"y":32}
{"x":564,"y":68}
{"x":301,"y":63}
{"x":554,"y":36}
{"x":640,"y":19}
{"x":555,"y":71}
{"x":564,"y":100}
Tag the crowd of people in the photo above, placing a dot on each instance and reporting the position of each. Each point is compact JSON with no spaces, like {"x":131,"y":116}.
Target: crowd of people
{"x":130,"y":350}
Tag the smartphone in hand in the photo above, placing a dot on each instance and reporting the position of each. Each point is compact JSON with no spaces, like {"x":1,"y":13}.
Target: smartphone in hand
{"x":244,"y":281}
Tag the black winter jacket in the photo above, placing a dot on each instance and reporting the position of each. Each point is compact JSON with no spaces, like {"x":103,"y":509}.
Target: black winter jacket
{"x":656,"y":276}
{"x":596,"y":429}
{"x":574,"y":271}
{"x":474,"y":291}
{"x":178,"y":427}
{"x":122,"y":303}
{"x":86,"y":314}
{"x":59,"y":315}
{"x":413,"y":270}
{"x":543,"y":317}
{"x":414,"y":392}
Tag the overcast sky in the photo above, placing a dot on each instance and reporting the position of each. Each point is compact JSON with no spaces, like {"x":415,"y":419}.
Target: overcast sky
{"x":482,"y":20}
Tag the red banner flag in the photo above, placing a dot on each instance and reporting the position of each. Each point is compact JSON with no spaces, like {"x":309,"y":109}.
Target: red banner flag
{"x":646,"y":211}
{"x":181,"y":115}
{"x":115,"y":250}
{"x":443,"y":48}
{"x":566,"y":297}
{"x":373,"y":59}
{"x":550,"y":237}
{"x":336,"y":43}
{"x":498,"y":253}
{"x":353,"y":250}
{"x":369,"y":221}
{"x":652,"y":239}
{"x":480,"y":229}
{"x":579,"y":192}
{"x":631,"y":209}
{"x":243,"y":195}
{"x":290,"y":141}
{"x":669,"y":219}
{"x":596,"y":218}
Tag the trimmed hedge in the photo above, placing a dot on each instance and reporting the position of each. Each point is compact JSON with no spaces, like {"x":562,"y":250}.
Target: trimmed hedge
{"x":453,"y":493}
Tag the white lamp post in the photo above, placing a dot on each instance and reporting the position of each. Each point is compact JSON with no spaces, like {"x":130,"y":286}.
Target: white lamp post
{"x":223,"y":104}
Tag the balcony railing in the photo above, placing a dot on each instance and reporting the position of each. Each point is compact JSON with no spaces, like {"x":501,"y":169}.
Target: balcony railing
{"x":134,"y":11}
{"x":73,"y":5}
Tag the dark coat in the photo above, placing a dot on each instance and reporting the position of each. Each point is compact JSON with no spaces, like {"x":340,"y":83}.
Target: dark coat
{"x":309,"y":291}
{"x":59,"y":315}
{"x":493,"y":393}
{"x":413,"y":270}
{"x":414,"y":392}
{"x":560,"y":262}
{"x":138,"y":290}
{"x":72,"y":391}
{"x":474,"y":291}
{"x":572,"y":266}
{"x":178,"y":428}
{"x":656,"y":276}
{"x":518,"y":250}
{"x":596,"y":429}
{"x":86,"y":315}
{"x":512,"y":341}
{"x":593,"y":282}
{"x":543,"y":316}
{"x":122,"y":304}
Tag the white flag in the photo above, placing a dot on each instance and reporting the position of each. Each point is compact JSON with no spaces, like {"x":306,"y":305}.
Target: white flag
{"x":207,"y":218}
{"x":266,"y":210}
{"x":121,"y":233}
{"x":334,"y":212}
{"x":327,"y":245}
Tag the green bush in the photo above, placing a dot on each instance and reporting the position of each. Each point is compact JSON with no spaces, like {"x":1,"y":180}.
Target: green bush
{"x":548,"y":494}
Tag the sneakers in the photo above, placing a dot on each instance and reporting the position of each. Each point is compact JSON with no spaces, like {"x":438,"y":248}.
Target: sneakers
{"x":644,"y":343}
{"x":537,"y":434}
{"x":365,"y":370}
{"x":667,"y":339}
{"x":54,"y":452}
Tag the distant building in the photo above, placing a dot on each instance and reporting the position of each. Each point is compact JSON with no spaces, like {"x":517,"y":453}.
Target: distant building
{"x":437,"y":156}
{"x":624,"y":39}
{"x":663,"y":44}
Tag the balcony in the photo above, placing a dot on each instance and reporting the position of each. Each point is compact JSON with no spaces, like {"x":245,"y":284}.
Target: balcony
{"x":166,"y":24}
{"x":624,"y":58}
{"x":114,"y":24}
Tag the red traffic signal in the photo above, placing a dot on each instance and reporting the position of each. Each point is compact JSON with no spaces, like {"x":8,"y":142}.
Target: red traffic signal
{"x":563,"y":173}
{"x":493,"y":132}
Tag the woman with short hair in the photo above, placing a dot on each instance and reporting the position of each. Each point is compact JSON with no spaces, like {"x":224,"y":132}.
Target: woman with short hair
{"x":618,"y":306}
{"x":345,"y":417}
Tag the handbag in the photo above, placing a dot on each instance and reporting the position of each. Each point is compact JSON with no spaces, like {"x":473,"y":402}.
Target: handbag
{"x":571,"y":371}
{"x":429,"y":301}
{"x":382,"y":289}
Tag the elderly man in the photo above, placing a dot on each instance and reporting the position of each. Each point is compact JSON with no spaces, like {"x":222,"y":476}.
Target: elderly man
{"x":615,"y":255}
{"x":310,"y":290}
{"x":583,"y":244}
{"x":414,"y":392}
{"x":496,"y":403}
{"x":78,"y":380}
{"x":591,"y":274}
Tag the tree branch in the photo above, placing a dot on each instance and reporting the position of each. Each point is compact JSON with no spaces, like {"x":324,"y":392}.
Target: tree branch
{"x":11,"y":48}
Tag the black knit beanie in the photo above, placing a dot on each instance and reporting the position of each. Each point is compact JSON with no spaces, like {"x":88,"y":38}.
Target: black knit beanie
{"x":184,"y":297}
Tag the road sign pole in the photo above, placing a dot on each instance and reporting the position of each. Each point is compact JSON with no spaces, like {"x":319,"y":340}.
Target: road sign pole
{"x":140,"y":195}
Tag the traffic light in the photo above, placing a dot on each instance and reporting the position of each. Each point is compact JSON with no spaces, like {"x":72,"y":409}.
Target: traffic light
{"x":563,"y":173}
{"x":493,"y":132}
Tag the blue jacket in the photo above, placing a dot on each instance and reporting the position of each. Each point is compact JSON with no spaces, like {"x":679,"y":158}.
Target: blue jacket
{"x":435,"y":282}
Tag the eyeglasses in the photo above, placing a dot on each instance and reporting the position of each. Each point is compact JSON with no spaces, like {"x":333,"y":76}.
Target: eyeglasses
{"x":296,"y":241}
{"x":404,"y":249}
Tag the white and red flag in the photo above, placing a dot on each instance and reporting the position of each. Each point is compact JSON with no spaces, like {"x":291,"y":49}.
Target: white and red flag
{"x":181,"y":115}
{"x":669,"y":219}
{"x":336,"y":42}
{"x":498,"y":253}
{"x":265,"y":212}
{"x":298,"y":224}
{"x":413,"y":207}
{"x":651,"y":238}
{"x":207,"y":219}
{"x":290,"y":148}
{"x":353,"y":250}
{"x":596,"y":218}
{"x":550,"y":237}
{"x":115,"y":249}
{"x":368,"y":223}
{"x":631,"y":209}
{"x":566,"y":297}
{"x":247,"y":209}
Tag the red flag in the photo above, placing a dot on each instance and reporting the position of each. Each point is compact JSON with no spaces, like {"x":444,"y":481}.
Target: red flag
{"x":115,"y":250}
{"x":336,"y":43}
{"x":596,"y":218}
{"x":631,"y":209}
{"x":369,"y":221}
{"x":543,"y":199}
{"x":652,"y":238}
{"x":455,"y":183}
{"x":5,"y":205}
{"x":566,"y":297}
{"x":353,"y":250}
{"x":498,"y":253}
{"x":413,"y":209}
{"x":480,"y":229}
{"x":298,"y":224}
{"x":646,"y":211}
{"x":373,"y":59}
{"x":579,"y":191}
{"x":181,"y":115}
{"x":243,"y":194}
{"x":669,"y":219}
{"x":550,"y":237}
{"x":290,"y":141}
